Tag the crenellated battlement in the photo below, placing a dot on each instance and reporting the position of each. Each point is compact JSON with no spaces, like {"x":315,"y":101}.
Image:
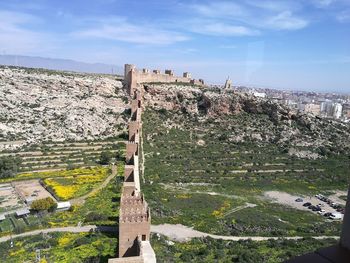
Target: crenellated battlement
{"x":133,"y":76}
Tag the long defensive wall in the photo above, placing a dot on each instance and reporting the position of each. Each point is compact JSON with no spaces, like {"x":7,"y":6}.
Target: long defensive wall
{"x":134,"y":213}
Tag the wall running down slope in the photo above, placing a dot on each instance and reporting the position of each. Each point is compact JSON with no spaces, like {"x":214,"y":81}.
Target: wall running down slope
{"x":134,"y":213}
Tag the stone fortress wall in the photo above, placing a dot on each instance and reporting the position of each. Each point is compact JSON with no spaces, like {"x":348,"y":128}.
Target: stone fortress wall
{"x":134,"y":213}
{"x":133,"y":76}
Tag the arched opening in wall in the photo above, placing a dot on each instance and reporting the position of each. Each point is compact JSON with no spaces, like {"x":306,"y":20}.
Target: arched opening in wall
{"x":143,"y":237}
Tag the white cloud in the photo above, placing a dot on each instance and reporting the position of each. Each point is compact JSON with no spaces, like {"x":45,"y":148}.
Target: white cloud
{"x":323,"y":3}
{"x":286,"y":21}
{"x":247,"y":18}
{"x":15,"y":38}
{"x":214,"y":28}
{"x":344,"y":16}
{"x":228,"y":46}
{"x":274,"y":6}
{"x":120,"y":30}
{"x":219,"y":9}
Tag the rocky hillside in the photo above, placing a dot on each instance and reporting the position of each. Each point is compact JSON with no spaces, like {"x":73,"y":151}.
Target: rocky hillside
{"x":41,"y":105}
{"x":256,"y":119}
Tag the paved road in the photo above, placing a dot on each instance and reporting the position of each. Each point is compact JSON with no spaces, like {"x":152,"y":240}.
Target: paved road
{"x":71,"y":229}
{"x":183,"y":233}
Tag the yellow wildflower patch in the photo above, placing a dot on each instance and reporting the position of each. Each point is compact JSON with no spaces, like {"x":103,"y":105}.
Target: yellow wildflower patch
{"x":220,"y":212}
{"x":72,"y":186}
{"x":183,"y":196}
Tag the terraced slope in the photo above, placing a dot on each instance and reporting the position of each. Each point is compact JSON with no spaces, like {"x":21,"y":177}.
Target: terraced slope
{"x":203,"y":162}
{"x":51,"y":156}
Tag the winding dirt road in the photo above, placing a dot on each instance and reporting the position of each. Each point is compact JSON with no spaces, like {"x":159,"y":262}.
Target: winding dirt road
{"x":183,"y":233}
{"x":71,"y":229}
{"x":179,"y":233}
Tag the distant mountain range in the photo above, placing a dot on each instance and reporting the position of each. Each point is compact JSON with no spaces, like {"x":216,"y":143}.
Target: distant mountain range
{"x":59,"y":64}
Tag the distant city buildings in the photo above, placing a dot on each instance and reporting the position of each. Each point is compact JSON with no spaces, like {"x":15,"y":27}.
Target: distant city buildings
{"x":326,"y":105}
{"x":331,"y":109}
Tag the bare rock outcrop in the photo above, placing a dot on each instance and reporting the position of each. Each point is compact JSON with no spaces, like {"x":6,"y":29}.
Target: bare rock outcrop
{"x":264,"y":121}
{"x":40,"y":105}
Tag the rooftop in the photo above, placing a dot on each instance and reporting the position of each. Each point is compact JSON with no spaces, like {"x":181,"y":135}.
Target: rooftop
{"x":23,"y":211}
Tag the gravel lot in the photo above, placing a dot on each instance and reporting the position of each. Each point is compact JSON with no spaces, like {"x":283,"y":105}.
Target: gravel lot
{"x":289,"y":200}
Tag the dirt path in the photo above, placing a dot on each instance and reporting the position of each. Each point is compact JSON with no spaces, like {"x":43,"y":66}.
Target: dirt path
{"x":54,"y":169}
{"x":183,"y":233}
{"x":238,"y":208}
{"x":177,"y":232}
{"x":183,"y":189}
{"x":142,"y":163}
{"x":81,"y":200}
{"x":71,"y":229}
{"x":336,"y":198}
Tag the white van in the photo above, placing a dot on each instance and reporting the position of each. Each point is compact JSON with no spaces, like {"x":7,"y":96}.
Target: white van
{"x":336,"y":216}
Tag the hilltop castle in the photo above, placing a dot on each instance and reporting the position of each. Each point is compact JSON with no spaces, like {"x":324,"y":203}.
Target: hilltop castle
{"x":132,"y":77}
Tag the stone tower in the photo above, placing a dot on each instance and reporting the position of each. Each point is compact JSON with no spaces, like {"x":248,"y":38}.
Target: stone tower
{"x":134,"y":222}
{"x":228,"y":83}
{"x":130,"y":78}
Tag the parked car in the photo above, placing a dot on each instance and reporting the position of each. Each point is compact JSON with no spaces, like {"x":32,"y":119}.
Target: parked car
{"x":328,"y":214}
{"x":321,"y":212}
{"x":311,"y":207}
{"x":336,"y":216}
{"x":307,"y":204}
{"x":299,"y":200}
{"x":316,"y":209}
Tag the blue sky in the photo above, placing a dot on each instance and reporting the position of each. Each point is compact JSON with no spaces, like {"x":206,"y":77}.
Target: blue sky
{"x":291,"y":44}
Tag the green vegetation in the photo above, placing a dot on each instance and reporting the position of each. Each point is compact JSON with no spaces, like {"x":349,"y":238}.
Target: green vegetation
{"x":105,"y":202}
{"x":45,"y":204}
{"x":76,"y":172}
{"x":77,"y":182}
{"x":106,"y":157}
{"x":194,"y":169}
{"x":61,"y":247}
{"x":100,"y":209}
{"x":9,"y":166}
{"x":221,"y":251}
{"x":67,"y":155}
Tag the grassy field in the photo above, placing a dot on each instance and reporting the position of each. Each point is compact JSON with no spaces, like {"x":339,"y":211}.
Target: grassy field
{"x":192,"y":169}
{"x":61,"y":247}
